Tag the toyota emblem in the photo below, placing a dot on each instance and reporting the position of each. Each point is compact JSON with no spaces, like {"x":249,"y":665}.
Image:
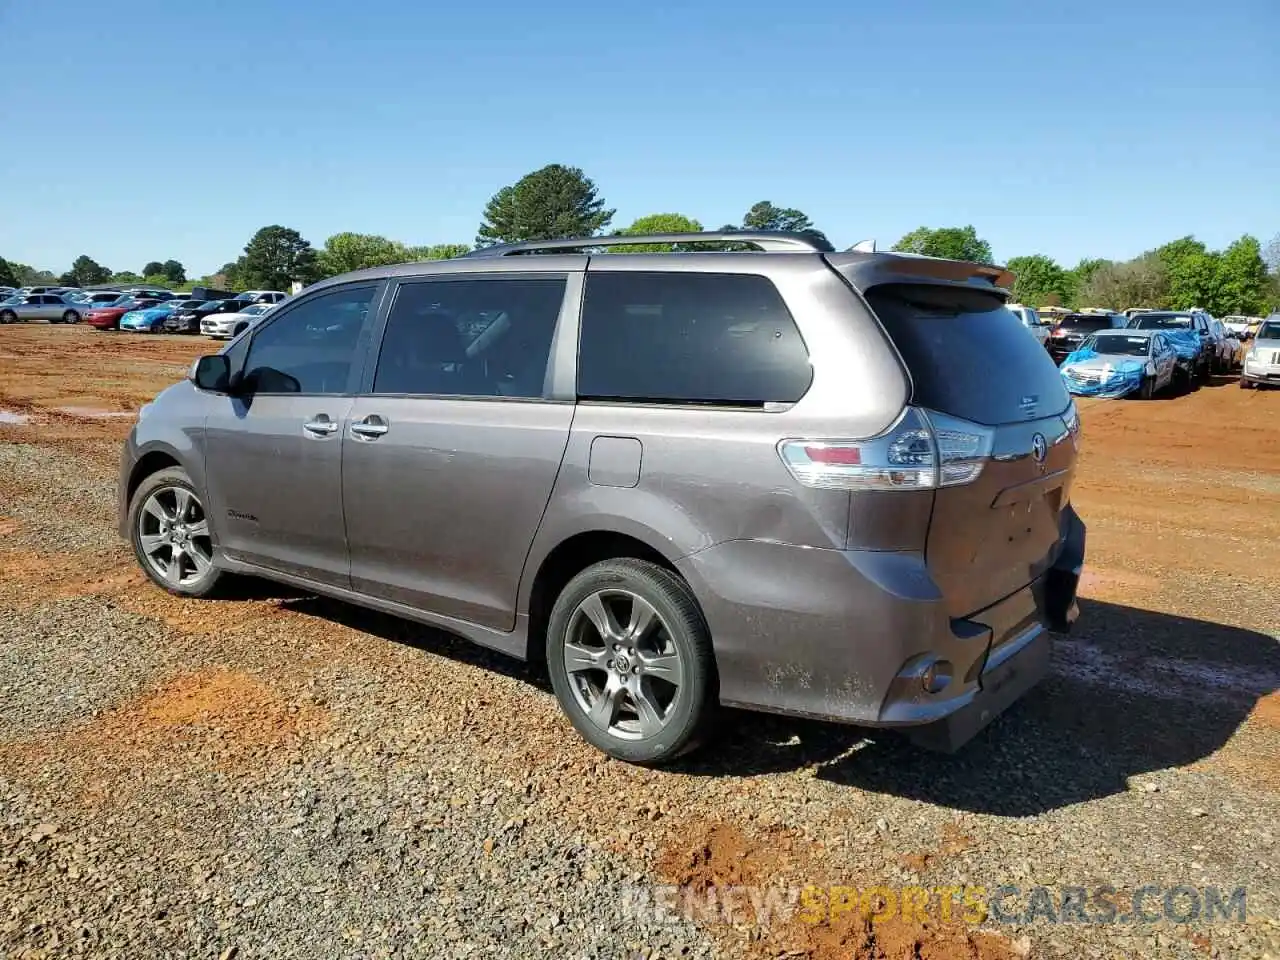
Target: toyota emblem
{"x":1039,"y":448}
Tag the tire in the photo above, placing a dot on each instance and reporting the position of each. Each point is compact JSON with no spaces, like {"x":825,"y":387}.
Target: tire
{"x":71,"y":317}
{"x":1246,"y":384}
{"x":153,"y":539}
{"x":8,"y":316}
{"x":240,"y":328}
{"x":1148,"y":388}
{"x":678,"y":714}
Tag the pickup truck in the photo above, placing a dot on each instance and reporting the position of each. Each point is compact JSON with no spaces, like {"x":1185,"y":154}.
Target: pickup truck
{"x":1031,"y":320}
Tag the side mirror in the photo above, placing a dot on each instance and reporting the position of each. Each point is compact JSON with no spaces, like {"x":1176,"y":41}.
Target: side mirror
{"x":212,"y":374}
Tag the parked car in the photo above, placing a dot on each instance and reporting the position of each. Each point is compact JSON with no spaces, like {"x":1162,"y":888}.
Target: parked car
{"x":1241,"y":327}
{"x":7,"y":292}
{"x":187,"y":320}
{"x":262,"y":296}
{"x":97,"y":298}
{"x":150,"y":293}
{"x":108,"y":317}
{"x":1072,"y":329}
{"x":1116,"y":363}
{"x":148,"y":319}
{"x":1262,"y":362}
{"x":1195,"y":327}
{"x":1228,"y":345}
{"x":49,"y":307}
{"x":777,"y":482}
{"x":1030,"y":319}
{"x":1132,"y":312}
{"x":223,"y":326}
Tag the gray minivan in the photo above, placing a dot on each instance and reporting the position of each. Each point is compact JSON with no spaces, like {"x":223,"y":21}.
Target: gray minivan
{"x":826,"y":484}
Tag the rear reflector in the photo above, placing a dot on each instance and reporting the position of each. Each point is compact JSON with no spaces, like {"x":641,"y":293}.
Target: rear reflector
{"x":923,"y":449}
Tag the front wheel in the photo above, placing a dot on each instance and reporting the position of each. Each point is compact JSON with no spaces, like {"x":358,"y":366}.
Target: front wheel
{"x":8,"y":316}
{"x":1148,"y":388}
{"x":630,"y":660}
{"x":169,"y":531}
{"x":1246,"y":383}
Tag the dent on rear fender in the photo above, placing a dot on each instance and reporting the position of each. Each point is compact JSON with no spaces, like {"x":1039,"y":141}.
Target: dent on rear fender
{"x":810,"y":630}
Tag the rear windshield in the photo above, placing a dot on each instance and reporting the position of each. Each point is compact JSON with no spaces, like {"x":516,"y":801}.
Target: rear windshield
{"x":1160,"y":321}
{"x":968,"y":356}
{"x":1085,"y":323}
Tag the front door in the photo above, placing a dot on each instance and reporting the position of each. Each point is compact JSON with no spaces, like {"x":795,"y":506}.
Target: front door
{"x":450,"y":455}
{"x":274,"y":451}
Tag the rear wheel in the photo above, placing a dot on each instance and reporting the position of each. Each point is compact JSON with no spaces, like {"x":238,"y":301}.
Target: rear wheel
{"x":71,"y":317}
{"x":630,"y":660}
{"x":169,"y":530}
{"x":8,"y":316}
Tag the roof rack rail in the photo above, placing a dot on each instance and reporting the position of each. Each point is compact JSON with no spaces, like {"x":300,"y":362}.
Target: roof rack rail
{"x":772,"y":241}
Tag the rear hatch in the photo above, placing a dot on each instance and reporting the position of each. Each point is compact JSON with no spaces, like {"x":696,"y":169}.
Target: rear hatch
{"x":1068,"y":333}
{"x":970,"y":360}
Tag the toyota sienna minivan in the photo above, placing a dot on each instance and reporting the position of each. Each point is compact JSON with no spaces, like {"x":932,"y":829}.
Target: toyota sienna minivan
{"x":833,"y":485}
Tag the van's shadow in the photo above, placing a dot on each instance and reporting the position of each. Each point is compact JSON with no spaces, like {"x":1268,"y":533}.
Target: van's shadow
{"x":1131,"y":691}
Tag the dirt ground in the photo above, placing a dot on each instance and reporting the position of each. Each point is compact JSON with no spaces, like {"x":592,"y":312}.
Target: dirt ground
{"x":1154,"y":751}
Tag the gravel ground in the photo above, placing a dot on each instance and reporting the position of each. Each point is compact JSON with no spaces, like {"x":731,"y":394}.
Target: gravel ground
{"x":278,"y":775}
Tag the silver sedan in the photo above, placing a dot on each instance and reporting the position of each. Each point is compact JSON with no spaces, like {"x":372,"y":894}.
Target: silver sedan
{"x":50,"y":307}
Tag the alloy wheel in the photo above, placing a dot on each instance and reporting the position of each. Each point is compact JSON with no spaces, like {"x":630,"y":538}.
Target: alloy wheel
{"x":173,"y":533}
{"x":624,"y":669}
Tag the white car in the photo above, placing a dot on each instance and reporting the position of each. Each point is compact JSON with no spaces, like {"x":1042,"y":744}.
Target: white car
{"x":1031,"y":320}
{"x":1115,"y":362}
{"x":262,"y":296}
{"x":1240,"y":326}
{"x":224,"y":326}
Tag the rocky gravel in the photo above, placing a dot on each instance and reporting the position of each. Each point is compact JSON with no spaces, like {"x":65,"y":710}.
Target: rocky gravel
{"x":276,"y":775}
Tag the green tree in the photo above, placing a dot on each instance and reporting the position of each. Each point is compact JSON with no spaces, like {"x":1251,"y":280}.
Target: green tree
{"x":275,"y":257}
{"x":556,"y":202}
{"x":175,"y":271}
{"x":158,"y":280}
{"x":954,"y":243}
{"x":85,"y":271}
{"x":8,"y":278}
{"x":344,"y":252}
{"x":125,"y":276}
{"x":764,"y":215}
{"x":29,"y":276}
{"x":436,"y":251}
{"x":658,"y":223}
{"x":152,"y":268}
{"x":1039,"y":281}
{"x":1142,"y":282}
{"x":1242,"y":280}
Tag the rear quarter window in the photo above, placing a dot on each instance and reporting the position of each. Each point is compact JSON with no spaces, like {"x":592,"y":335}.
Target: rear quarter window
{"x":697,"y":338}
{"x":967,"y":355}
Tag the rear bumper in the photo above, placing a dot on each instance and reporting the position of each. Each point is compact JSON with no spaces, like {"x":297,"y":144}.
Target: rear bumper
{"x":863,"y":636}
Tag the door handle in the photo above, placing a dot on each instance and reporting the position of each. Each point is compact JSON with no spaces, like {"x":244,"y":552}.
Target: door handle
{"x":370,"y":428}
{"x":322,"y":425}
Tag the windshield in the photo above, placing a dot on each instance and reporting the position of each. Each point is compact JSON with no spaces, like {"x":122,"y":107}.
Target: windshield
{"x":1116,"y":344}
{"x":1161,"y":321}
{"x":1269,"y":330}
{"x":256,"y":309}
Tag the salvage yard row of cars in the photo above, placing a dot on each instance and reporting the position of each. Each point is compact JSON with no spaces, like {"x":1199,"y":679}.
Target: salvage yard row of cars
{"x":1140,"y":352}
{"x":213,"y":313}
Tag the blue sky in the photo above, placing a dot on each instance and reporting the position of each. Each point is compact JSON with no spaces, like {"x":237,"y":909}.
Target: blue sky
{"x":1090,"y":128}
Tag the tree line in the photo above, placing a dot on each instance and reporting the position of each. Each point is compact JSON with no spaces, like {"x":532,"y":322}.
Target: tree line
{"x":559,"y":201}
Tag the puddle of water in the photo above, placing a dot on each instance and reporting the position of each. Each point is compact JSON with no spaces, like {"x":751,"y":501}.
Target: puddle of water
{"x":94,"y":413}
{"x":15,"y":419}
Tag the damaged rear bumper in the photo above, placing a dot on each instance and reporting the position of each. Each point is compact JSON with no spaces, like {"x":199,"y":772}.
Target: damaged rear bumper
{"x":864,"y":637}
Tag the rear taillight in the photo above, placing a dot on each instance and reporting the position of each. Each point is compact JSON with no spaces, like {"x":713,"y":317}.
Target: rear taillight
{"x":1072,"y":419}
{"x":923,"y":450}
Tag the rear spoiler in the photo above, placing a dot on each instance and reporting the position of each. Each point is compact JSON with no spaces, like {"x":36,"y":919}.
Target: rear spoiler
{"x":869,"y":269}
